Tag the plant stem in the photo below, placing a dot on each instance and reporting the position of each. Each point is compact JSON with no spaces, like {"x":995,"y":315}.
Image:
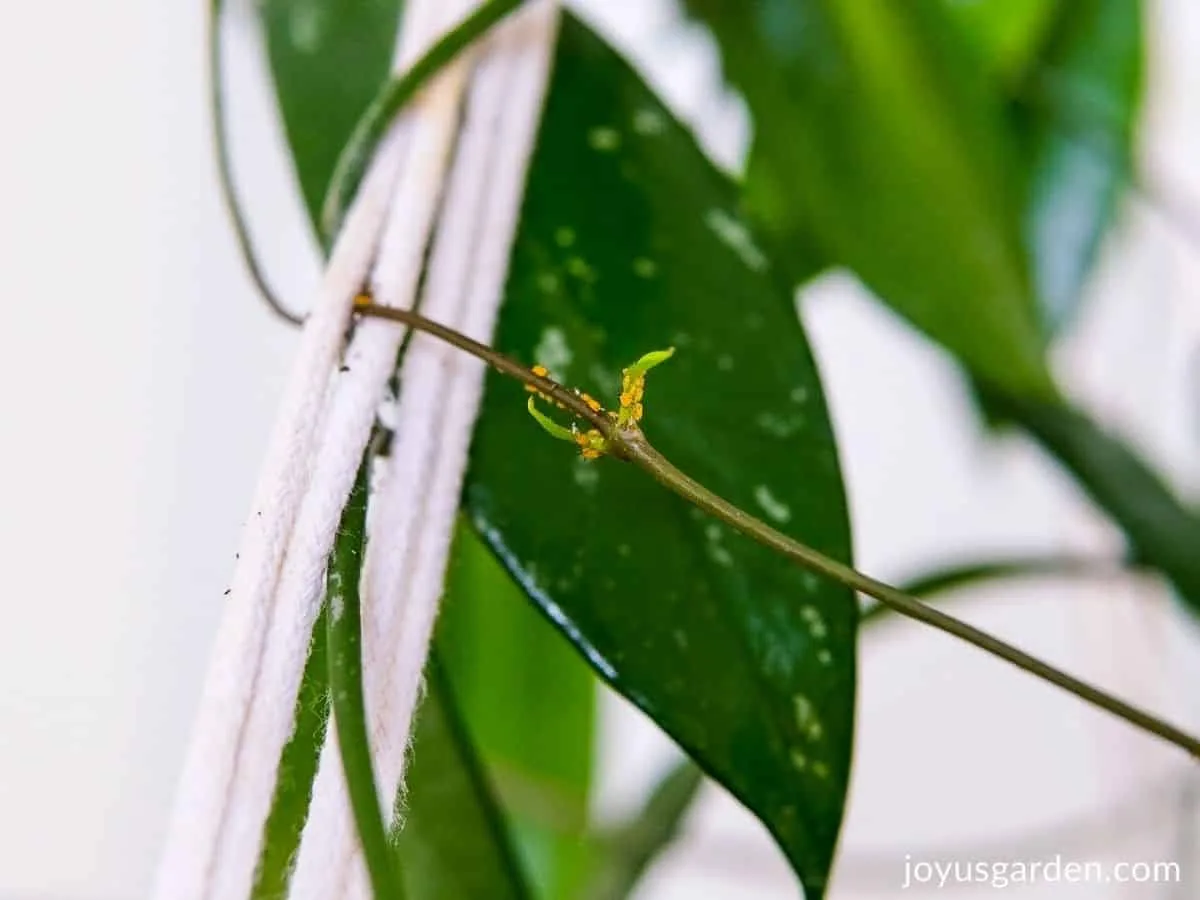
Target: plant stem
{"x":346,"y":687}
{"x":954,"y":577}
{"x":630,"y":444}
{"x":233,"y":206}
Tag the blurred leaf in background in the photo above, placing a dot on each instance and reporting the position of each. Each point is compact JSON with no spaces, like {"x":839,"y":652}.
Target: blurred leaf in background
{"x":880,"y":136}
{"x":1075,"y":111}
{"x":630,"y":241}
{"x":529,"y":705}
{"x":454,"y":843}
{"x":328,"y":59}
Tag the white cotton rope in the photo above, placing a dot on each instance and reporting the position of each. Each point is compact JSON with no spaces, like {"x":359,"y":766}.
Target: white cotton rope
{"x":415,"y":507}
{"x":246,"y":710}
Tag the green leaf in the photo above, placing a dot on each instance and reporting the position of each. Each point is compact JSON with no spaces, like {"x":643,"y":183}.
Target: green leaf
{"x":529,"y":706}
{"x":328,"y":59}
{"x":880,"y":137}
{"x":1077,"y":113}
{"x":342,"y":597}
{"x":453,"y":844}
{"x":628,"y":241}
{"x":297,"y":770}
{"x":1007,"y":34}
{"x":631,"y":848}
{"x":1161,"y":532}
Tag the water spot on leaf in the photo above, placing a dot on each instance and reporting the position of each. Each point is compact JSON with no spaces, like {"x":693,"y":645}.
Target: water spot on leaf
{"x":816,"y":623}
{"x":806,"y":718}
{"x":579,"y":268}
{"x":737,"y":237}
{"x":606,"y":379}
{"x":564,"y":236}
{"x":824,"y":657}
{"x":553,"y":353}
{"x":648,"y":122}
{"x":799,"y":760}
{"x":604,"y":139}
{"x":778,"y":426}
{"x":716,"y":550}
{"x":771,"y":505}
{"x":305,"y":25}
{"x":586,"y":474}
{"x":645,"y":268}
{"x":799,"y":394}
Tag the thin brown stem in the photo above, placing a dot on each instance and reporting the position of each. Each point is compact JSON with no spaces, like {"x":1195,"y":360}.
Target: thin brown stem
{"x":632,"y":445}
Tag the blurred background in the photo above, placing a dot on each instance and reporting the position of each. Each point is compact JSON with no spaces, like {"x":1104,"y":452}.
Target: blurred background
{"x":138,"y":380}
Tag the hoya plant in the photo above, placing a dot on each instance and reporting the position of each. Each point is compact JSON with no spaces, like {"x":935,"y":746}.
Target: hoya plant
{"x":652,"y":499}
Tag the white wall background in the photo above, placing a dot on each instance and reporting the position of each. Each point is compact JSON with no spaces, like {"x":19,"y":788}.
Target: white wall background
{"x":138,"y":376}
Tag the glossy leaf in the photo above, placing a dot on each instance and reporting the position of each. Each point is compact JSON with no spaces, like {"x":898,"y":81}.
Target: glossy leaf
{"x":628,"y":242}
{"x":1076,"y":111}
{"x":328,"y":59}
{"x":529,"y":704}
{"x":453,"y":845}
{"x":881,"y":138}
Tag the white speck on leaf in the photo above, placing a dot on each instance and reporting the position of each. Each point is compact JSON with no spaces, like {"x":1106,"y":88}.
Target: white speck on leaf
{"x":806,"y":718}
{"x":548,"y":282}
{"x":644,"y":267}
{"x":305,"y":25}
{"x":737,"y":237}
{"x":585,"y":474}
{"x":824,"y":657}
{"x":564,"y":236}
{"x":647,"y":121}
{"x":578,"y":266}
{"x":816,"y":623}
{"x":799,"y":394}
{"x":799,"y":760}
{"x":772,"y":505}
{"x":604,"y":139}
{"x":725,"y":362}
{"x":777,"y":426}
{"x":553,"y":353}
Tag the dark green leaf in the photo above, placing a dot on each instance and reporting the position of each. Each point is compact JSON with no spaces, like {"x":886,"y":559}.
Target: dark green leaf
{"x":453,"y":844}
{"x":1076,"y":111}
{"x":342,"y":597}
{"x":883,"y":139}
{"x":328,"y":59}
{"x":529,"y":705}
{"x":629,"y":242}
